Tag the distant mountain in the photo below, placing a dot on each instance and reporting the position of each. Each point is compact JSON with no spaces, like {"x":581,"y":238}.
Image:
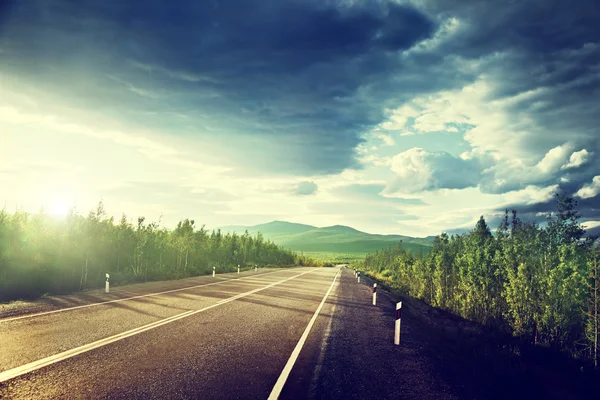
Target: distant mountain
{"x":335,"y":239}
{"x":276,"y":228}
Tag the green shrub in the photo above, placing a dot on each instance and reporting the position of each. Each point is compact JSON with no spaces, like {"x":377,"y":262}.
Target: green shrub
{"x":386,"y":273}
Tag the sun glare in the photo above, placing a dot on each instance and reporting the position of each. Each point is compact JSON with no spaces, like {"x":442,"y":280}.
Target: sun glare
{"x":58,"y":206}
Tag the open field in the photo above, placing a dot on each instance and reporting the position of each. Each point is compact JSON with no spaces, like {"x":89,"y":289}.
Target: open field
{"x":335,"y":257}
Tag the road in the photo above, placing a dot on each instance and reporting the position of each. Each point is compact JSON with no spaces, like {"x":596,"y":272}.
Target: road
{"x":293,"y":333}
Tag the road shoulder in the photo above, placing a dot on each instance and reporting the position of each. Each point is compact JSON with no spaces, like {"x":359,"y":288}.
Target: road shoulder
{"x":361,"y":361}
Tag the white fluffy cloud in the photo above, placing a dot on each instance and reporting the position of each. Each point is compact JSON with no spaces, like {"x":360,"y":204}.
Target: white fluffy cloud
{"x":438,"y":113}
{"x":577,"y":159}
{"x":431,"y":114}
{"x":387,"y":140}
{"x":375,"y":160}
{"x":418,"y":170}
{"x":553,"y":160}
{"x":590,"y":190}
{"x":492,"y":130}
{"x":591,"y":224}
{"x":398,"y":118}
{"x":531,"y":195}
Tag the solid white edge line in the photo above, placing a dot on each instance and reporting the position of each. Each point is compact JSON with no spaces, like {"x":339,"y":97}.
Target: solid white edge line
{"x":294,"y":356}
{"x":34,"y":365}
{"x":134,"y":297}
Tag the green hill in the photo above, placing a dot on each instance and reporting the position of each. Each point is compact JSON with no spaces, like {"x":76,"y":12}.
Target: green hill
{"x":330,"y":239}
{"x":275,"y":228}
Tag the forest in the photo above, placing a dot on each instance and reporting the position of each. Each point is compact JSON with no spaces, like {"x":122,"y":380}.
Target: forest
{"x":42,"y":254}
{"x":538,"y":282}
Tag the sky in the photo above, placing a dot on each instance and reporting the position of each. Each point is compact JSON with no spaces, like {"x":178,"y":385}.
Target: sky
{"x":407,"y":117}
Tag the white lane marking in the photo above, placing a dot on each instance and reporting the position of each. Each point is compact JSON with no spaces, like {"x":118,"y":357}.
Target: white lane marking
{"x":32,"y":366}
{"x":294,"y":356}
{"x":133,"y":298}
{"x":324,"y":344}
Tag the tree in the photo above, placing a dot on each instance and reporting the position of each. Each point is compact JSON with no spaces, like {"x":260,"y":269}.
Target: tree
{"x":503,"y":229}
{"x":564,"y":228}
{"x":593,"y":313}
{"x":522,"y":284}
{"x":443,"y":275}
{"x":39,"y":254}
{"x":482,"y":231}
{"x":537,"y":283}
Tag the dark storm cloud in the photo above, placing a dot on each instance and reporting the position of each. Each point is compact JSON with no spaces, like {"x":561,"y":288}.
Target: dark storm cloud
{"x":547,"y":45}
{"x":588,"y":209}
{"x":534,"y":27}
{"x":302,"y":75}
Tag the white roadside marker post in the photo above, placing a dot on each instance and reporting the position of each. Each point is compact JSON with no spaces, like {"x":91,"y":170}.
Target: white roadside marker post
{"x":374,"y":294}
{"x":255,"y":268}
{"x":238,"y":269}
{"x":358,"y":276}
{"x":213,"y":272}
{"x":107,"y":285}
{"x":398,"y":316}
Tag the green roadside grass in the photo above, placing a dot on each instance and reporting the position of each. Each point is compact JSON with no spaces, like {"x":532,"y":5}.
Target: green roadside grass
{"x":339,"y":258}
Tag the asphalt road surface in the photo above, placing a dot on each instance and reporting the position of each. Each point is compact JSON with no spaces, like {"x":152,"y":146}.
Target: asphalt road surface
{"x":293,"y":333}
